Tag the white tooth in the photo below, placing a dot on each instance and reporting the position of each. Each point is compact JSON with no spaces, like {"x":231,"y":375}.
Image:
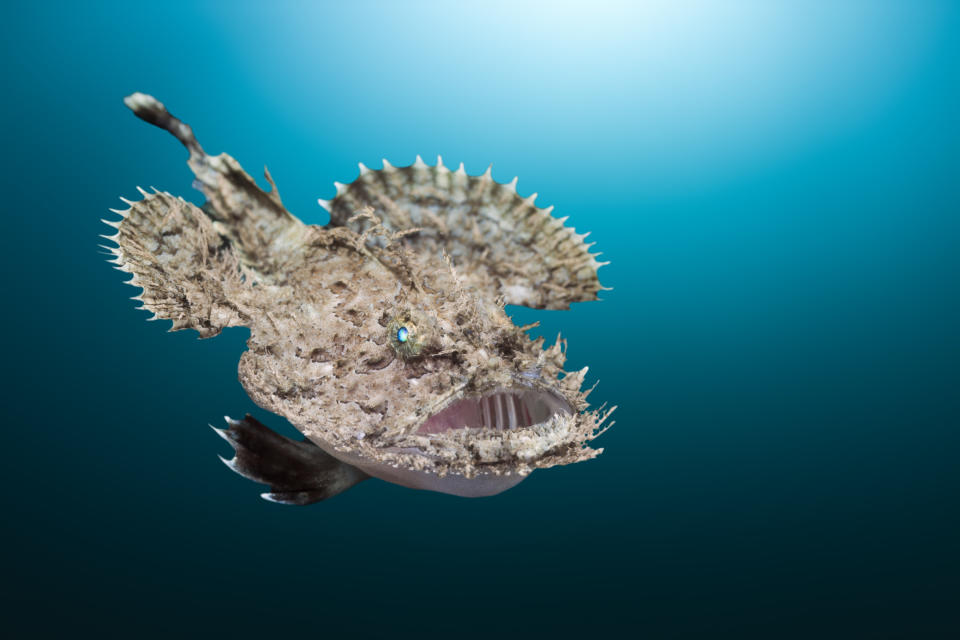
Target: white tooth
{"x":501,"y":412}
{"x":525,"y":420}
{"x":511,"y":411}
{"x":525,"y":412}
{"x":485,"y":410}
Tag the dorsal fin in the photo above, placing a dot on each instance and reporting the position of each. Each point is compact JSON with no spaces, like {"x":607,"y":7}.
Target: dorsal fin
{"x":500,"y":243}
{"x":254,"y":221}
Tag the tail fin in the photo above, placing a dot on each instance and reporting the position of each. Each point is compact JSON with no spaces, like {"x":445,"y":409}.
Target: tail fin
{"x":253,"y":220}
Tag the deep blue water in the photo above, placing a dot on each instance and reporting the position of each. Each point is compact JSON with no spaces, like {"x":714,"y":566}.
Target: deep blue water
{"x":776,"y":185}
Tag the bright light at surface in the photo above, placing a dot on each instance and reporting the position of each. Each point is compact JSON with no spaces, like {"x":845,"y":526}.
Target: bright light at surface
{"x":689,"y":82}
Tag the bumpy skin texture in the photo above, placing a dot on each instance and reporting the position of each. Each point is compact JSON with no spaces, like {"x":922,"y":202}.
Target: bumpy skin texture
{"x":422,"y":247}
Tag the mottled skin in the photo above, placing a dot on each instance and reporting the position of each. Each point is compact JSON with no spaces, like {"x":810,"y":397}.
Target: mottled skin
{"x":404,"y":248}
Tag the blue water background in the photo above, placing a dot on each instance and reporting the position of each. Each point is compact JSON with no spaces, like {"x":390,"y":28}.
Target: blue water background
{"x":776,"y":186}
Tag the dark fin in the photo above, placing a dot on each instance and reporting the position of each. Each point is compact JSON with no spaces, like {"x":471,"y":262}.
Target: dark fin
{"x":297,"y":472}
{"x":500,"y":243}
{"x":255,"y":221}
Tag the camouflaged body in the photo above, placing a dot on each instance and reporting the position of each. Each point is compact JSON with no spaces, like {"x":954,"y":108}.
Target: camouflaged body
{"x":433,"y":249}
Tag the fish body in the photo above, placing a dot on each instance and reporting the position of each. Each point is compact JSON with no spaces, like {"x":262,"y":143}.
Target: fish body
{"x":382,"y":336}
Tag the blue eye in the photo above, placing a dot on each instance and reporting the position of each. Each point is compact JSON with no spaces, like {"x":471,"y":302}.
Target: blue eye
{"x":405,"y":336}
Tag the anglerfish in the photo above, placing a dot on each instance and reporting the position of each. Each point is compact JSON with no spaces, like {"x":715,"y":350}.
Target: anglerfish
{"x":381,"y":336}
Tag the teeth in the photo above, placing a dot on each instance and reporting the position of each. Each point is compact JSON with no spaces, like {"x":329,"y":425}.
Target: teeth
{"x":511,"y":411}
{"x":527,"y":418}
{"x":499,"y":411}
{"x":505,"y":411}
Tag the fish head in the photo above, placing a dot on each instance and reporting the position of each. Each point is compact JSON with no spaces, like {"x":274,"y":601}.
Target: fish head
{"x":414,"y":376}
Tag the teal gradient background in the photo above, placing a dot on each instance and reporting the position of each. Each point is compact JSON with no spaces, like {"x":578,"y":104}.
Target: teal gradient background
{"x":776,"y":185}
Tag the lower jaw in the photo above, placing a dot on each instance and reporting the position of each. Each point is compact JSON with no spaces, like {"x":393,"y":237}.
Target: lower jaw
{"x":476,"y":485}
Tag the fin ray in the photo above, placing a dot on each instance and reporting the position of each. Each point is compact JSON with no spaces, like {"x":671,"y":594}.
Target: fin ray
{"x":254,"y":220}
{"x":188,"y":273}
{"x":499,"y":241}
{"x":297,"y":472}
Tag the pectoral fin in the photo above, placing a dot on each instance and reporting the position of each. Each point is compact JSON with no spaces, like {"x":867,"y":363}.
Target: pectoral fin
{"x":189,"y":273}
{"x":297,"y":472}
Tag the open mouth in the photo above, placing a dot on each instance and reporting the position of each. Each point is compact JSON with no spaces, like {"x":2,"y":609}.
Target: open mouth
{"x":501,"y":409}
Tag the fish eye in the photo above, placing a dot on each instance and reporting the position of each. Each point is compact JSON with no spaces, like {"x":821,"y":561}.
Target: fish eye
{"x":405,"y":339}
